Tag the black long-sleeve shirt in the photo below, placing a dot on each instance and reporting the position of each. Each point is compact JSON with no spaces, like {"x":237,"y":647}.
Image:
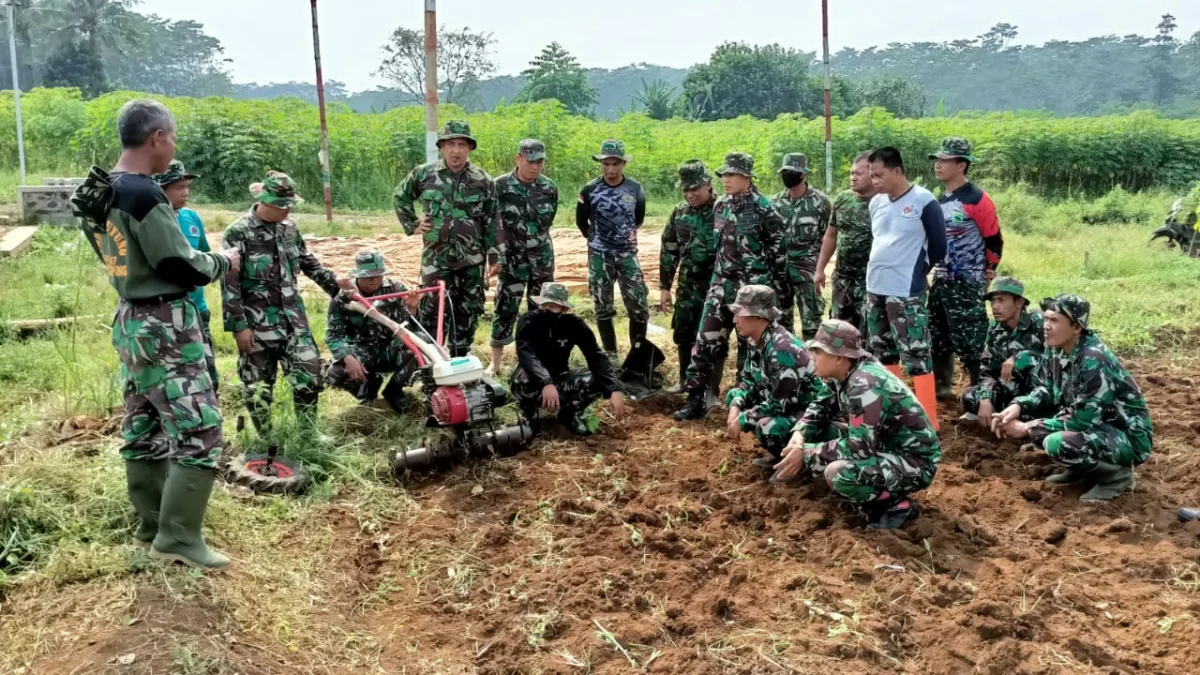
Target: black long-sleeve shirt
{"x":544,"y":344}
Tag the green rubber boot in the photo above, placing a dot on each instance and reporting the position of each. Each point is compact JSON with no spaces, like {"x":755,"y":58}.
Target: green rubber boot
{"x":145,"y":479}
{"x":943,"y":375}
{"x":1069,"y":476}
{"x":184,"y":502}
{"x":1111,"y":480}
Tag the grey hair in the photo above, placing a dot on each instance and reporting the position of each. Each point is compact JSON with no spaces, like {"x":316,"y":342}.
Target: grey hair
{"x":139,"y":119}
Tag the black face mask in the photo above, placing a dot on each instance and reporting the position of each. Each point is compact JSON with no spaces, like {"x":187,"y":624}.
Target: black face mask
{"x":792,"y":179}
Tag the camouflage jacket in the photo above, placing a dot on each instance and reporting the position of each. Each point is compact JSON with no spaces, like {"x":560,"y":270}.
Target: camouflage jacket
{"x":777,"y":379}
{"x":752,"y":240}
{"x":1084,"y":389}
{"x":806,"y":219}
{"x":1023,"y":344}
{"x":263,"y":296}
{"x":880,"y":415}
{"x":852,"y":218}
{"x":689,"y":244}
{"x":527,"y":213}
{"x":349,"y":333}
{"x":462,"y":209}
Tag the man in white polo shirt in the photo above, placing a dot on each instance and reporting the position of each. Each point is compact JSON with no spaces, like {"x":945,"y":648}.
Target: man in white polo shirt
{"x":909,"y":238}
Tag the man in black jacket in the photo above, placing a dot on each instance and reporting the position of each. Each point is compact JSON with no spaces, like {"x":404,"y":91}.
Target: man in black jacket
{"x":543,"y":378}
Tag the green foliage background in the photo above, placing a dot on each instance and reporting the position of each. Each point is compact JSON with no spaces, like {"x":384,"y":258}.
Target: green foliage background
{"x":232,"y":143}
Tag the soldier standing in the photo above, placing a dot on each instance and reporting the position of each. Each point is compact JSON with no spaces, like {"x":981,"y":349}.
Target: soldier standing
{"x":263,"y":308}
{"x":806,"y":212}
{"x":363,"y":350}
{"x":750,"y":251}
{"x":689,"y":244}
{"x":459,"y":229}
{"x":865,"y":434}
{"x":528,"y":202}
{"x":957,"y":318}
{"x":849,"y":234}
{"x":610,"y":212}
{"x":777,"y":384}
{"x":1089,"y":414}
{"x":1012,"y":353}
{"x":171,"y":432}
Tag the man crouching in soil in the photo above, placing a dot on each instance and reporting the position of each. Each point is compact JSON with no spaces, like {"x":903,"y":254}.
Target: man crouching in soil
{"x":866,"y":432}
{"x":1089,"y":414}
{"x":543,"y":378}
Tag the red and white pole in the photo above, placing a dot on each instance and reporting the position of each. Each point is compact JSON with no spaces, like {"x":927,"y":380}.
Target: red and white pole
{"x":828,"y":110}
{"x":325,"y":173}
{"x":431,"y":81}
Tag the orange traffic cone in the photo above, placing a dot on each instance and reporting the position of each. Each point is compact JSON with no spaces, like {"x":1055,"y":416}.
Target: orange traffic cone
{"x":925,"y":386}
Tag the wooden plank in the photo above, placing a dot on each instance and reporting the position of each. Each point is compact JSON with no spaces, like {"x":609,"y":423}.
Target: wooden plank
{"x":16,"y":241}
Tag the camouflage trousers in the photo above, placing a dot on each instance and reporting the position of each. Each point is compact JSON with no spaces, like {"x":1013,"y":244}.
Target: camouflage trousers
{"x":395,"y":360}
{"x":1025,"y":369}
{"x":576,"y":391}
{"x":605,"y":269}
{"x":882,"y":477}
{"x":211,"y":355}
{"x":171,"y":410}
{"x":301,"y":362}
{"x":850,"y":299}
{"x":689,"y":308}
{"x":712,"y":339}
{"x":898,"y":332}
{"x":1102,"y":443}
{"x":510,"y":289}
{"x":465,"y":300}
{"x":803,"y":294}
{"x":958,"y":319}
{"x":773,"y":433}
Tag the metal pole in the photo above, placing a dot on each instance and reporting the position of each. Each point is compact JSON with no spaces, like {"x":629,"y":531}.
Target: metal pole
{"x":325,"y":173}
{"x":431,"y":81}
{"x":828,"y":113}
{"x":12,"y":57}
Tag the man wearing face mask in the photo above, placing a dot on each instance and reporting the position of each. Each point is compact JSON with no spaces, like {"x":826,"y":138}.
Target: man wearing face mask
{"x":689,"y":244}
{"x":806,"y":211}
{"x":543,"y":379}
{"x":1012,"y":352}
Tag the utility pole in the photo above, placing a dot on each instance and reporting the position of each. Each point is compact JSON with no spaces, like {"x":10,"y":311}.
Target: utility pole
{"x":431,"y":81}
{"x":325,"y":173}
{"x":12,"y":57}
{"x":828,"y":113}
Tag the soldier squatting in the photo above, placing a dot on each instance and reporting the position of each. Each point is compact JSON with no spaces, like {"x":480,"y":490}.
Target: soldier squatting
{"x":825,"y":398}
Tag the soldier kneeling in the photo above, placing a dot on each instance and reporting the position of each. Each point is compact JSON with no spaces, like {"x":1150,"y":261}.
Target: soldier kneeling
{"x":1012,"y":353}
{"x":866,"y":433}
{"x":543,"y":378}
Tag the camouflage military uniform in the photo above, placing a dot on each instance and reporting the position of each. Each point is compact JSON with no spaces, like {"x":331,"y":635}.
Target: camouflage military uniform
{"x":689,"y":245}
{"x":462,"y":211}
{"x":348,"y":333}
{"x":1090,"y":408}
{"x":852,"y":218}
{"x":776,"y":384}
{"x":806,"y":219}
{"x":898,"y":331}
{"x":171,"y":410}
{"x":264,"y":297}
{"x":1023,"y":344}
{"x":752,"y":236}
{"x":526,"y":215}
{"x":871,"y":420}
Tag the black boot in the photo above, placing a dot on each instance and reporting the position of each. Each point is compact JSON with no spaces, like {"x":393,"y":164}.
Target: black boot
{"x":306,"y":416}
{"x":893,"y":517}
{"x":368,"y":391}
{"x":712,"y":398}
{"x":1110,"y":481}
{"x":974,"y":371}
{"x":395,"y":396}
{"x":943,"y":373}
{"x":637,"y":331}
{"x":694,"y":409}
{"x":608,"y":337}
{"x":685,"y":360}
{"x":260,"y":415}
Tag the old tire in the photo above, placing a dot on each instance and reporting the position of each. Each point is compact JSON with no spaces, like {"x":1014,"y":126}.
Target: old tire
{"x":290,"y":477}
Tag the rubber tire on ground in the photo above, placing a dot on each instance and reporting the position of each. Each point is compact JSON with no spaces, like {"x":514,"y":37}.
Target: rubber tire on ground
{"x":240,"y":471}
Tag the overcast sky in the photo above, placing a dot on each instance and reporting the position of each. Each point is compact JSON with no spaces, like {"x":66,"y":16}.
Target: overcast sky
{"x":268,"y":42}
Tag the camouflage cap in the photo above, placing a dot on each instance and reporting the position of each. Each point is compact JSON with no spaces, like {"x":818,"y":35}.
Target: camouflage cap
{"x":954,"y":147}
{"x":693,"y":174}
{"x":1008,"y":285}
{"x":532,"y":149}
{"x":279,"y":191}
{"x":755,"y":300}
{"x":457,"y":129}
{"x":368,"y":263}
{"x":839,"y":338}
{"x":737,"y":162}
{"x":796,"y":162}
{"x":612,"y":148}
{"x":555,"y":294}
{"x":174,"y":173}
{"x":1071,"y":306}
